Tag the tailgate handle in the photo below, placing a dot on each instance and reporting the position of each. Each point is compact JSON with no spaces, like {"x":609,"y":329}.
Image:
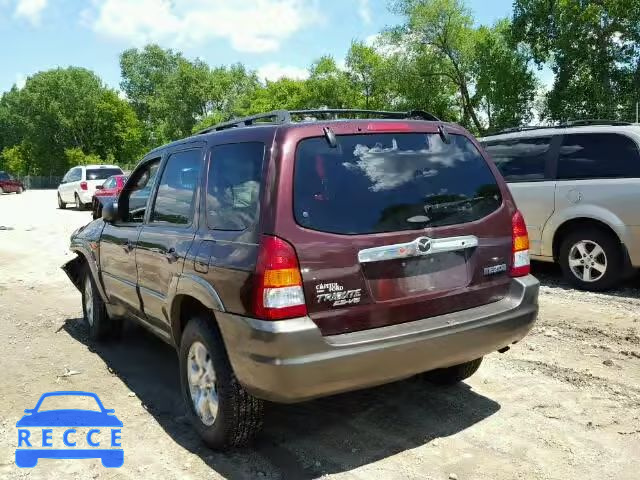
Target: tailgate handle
{"x":419,"y":247}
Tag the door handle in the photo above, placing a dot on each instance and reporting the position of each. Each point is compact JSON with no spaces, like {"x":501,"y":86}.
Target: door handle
{"x":127,"y":247}
{"x":171,"y":255}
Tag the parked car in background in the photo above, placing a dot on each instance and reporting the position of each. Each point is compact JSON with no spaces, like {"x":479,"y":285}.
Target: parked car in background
{"x":291,"y":260}
{"x":79,"y":184}
{"x":578,"y":187}
{"x":111,"y":188}
{"x":8,"y":184}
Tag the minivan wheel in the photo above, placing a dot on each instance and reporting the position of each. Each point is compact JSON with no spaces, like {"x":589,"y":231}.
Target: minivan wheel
{"x":454,"y":374}
{"x":94,"y":311}
{"x":79,"y":204}
{"x":61,"y":204}
{"x":222,"y":412}
{"x":19,"y":191}
{"x":591,"y":259}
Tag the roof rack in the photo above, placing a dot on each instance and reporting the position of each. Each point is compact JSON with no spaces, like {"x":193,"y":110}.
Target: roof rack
{"x":279,"y":117}
{"x":593,"y":121}
{"x":567,"y":124}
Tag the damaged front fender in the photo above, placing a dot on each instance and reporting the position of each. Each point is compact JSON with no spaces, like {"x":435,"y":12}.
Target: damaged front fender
{"x":85,"y":244}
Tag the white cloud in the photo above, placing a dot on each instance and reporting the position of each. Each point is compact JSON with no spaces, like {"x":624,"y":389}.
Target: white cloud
{"x":276,"y":71}
{"x":30,"y":10}
{"x":256,"y":26}
{"x":364,"y":10}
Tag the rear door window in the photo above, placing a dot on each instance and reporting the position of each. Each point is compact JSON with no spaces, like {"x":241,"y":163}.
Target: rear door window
{"x":102,"y":173}
{"x":598,"y":155}
{"x":520,"y":159}
{"x":233,"y":187}
{"x":391,"y":182}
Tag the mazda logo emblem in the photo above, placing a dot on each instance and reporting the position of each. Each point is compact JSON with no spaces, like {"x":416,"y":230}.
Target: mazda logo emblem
{"x":424,"y":244}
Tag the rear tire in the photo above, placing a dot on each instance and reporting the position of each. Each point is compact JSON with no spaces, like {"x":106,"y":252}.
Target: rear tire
{"x":229,"y":416}
{"x":61,"y":204}
{"x":454,"y":374}
{"x":573,"y":260}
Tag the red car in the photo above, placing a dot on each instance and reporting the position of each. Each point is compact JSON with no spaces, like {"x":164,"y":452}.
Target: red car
{"x":111,"y":187}
{"x":9,"y":184}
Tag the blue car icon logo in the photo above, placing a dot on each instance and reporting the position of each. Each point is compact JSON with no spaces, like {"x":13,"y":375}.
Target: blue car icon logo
{"x":103,"y":429}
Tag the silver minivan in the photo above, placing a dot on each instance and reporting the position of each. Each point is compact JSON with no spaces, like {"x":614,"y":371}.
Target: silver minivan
{"x":578,"y":187}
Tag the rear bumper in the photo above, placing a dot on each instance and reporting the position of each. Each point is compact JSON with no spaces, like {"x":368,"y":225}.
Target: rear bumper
{"x":289,"y":360}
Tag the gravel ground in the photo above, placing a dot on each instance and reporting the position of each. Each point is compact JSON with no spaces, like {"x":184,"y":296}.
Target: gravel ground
{"x":562,"y":404}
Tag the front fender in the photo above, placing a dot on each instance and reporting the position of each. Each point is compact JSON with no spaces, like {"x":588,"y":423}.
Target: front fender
{"x":85,"y":244}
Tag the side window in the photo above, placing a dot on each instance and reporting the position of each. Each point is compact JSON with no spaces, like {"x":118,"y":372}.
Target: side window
{"x":598,"y":155}
{"x":134,"y":202}
{"x":233,"y":186}
{"x":176,"y":194}
{"x":520,"y":159}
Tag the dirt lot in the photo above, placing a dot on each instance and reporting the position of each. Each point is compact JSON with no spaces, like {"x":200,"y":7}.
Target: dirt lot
{"x":565,"y":403}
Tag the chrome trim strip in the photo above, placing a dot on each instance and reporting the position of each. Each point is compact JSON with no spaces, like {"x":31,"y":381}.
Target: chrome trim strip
{"x":419,"y":247}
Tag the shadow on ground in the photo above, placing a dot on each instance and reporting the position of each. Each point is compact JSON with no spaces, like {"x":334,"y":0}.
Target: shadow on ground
{"x":306,"y":440}
{"x":550,"y":275}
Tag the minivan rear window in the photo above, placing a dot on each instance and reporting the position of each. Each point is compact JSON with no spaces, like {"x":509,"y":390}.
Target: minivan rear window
{"x":102,"y":173}
{"x":387,"y":182}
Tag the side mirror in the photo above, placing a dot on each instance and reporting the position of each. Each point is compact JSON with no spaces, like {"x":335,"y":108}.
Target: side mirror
{"x":99,"y":187}
{"x":110,"y":212}
{"x":29,"y":410}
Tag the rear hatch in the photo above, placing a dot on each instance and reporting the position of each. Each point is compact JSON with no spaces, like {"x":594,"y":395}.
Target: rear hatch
{"x":97,"y":176}
{"x":395,"y":227}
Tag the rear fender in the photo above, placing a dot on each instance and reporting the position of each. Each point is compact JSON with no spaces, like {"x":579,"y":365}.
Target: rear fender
{"x":194,"y":287}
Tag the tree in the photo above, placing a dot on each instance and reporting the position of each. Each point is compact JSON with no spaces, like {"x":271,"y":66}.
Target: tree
{"x":328,"y":86}
{"x":172,"y":94}
{"x":369,"y":73}
{"x":505,"y":86}
{"x":592,"y":46}
{"x":64,"y":109}
{"x":442,"y":32}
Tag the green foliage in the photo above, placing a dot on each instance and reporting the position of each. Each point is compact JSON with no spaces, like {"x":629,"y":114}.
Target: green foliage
{"x":593,"y":48}
{"x":174,"y":96}
{"x":75,"y":156}
{"x":64,"y":109}
{"x":14,"y":159}
{"x":493,"y":82}
{"x":438,"y":59}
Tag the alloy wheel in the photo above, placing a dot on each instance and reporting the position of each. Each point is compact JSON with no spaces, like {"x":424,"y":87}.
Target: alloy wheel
{"x":587,"y":261}
{"x":202,"y":383}
{"x":88,"y":300}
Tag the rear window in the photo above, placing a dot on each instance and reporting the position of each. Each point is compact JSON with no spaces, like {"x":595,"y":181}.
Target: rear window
{"x":102,"y":173}
{"x":598,"y":155}
{"x":391,"y":182}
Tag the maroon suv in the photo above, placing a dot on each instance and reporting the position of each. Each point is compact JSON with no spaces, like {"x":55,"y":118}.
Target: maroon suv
{"x":287,"y":260}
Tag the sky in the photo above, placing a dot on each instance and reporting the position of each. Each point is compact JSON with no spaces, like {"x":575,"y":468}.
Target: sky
{"x":274,"y":37}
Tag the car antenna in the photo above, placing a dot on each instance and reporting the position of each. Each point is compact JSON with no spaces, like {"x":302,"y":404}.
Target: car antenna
{"x":330,"y":136}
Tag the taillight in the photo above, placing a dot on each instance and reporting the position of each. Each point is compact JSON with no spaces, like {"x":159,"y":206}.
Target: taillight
{"x":278,"y":283}
{"x":520,"y":246}
{"x":83,"y":185}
